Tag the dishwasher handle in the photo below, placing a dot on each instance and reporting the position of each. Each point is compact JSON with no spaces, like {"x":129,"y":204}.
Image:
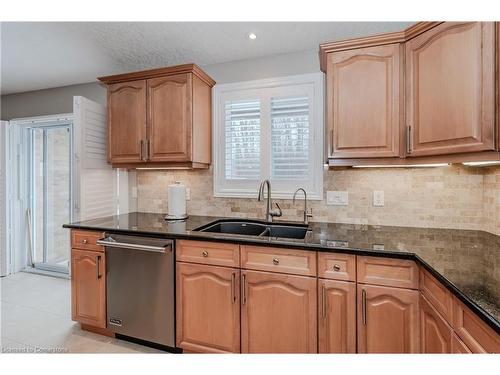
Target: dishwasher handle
{"x":109,"y":242}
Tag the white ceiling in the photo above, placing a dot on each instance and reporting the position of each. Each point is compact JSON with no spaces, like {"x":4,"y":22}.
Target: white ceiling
{"x":38,"y":55}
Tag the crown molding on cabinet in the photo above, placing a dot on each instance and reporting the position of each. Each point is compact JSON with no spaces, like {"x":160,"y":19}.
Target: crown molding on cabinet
{"x":373,"y":40}
{"x":159,"y":72}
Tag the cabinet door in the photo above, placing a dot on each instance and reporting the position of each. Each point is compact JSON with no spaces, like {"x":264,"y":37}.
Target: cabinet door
{"x":458,"y":346}
{"x":126,"y":122}
{"x":435,"y":333}
{"x":387,"y":320}
{"x":208,"y":308}
{"x":88,"y":287}
{"x":170,"y":118}
{"x":337,"y":317}
{"x":363,"y":102}
{"x":450,"y":73}
{"x":279,"y":313}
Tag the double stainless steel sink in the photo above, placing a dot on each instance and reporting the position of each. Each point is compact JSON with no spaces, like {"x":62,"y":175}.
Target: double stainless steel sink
{"x":255,"y":228}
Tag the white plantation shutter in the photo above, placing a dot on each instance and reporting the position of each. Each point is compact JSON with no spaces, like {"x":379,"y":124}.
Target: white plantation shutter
{"x":242,"y":133}
{"x":290,"y":138}
{"x":3,"y":199}
{"x":269,"y":129}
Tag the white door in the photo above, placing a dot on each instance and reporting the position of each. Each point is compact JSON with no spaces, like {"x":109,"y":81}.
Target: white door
{"x":4,"y":246}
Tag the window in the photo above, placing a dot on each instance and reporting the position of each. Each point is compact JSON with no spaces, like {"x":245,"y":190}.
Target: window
{"x":269,"y":129}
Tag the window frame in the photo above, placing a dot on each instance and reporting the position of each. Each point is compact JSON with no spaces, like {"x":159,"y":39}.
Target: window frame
{"x":311,"y":84}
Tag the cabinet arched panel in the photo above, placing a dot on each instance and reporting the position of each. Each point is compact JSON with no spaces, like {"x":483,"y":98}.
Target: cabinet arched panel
{"x":450,"y":82}
{"x":391,"y":313}
{"x":126,"y":121}
{"x":278,"y":313}
{"x":88,"y":287}
{"x":170,"y":118}
{"x":435,"y":333}
{"x":363,"y":102}
{"x":336,"y":316}
{"x":208,"y":312}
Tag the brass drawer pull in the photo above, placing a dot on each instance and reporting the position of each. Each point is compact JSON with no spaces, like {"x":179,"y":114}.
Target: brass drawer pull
{"x":205,"y":253}
{"x":336,"y":267}
{"x":276,"y":261}
{"x":85,"y":241}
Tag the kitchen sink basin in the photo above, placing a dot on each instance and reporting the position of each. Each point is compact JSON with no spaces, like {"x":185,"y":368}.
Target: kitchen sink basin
{"x":231,"y":227}
{"x":285,"y":231}
{"x":250,"y":228}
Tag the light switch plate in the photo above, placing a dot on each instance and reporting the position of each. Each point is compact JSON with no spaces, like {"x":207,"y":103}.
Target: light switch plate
{"x":378,"y":198}
{"x":337,"y":198}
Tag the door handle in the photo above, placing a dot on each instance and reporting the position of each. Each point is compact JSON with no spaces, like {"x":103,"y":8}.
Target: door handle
{"x":97,"y":261}
{"x":363,"y":306}
{"x":323,"y":299}
{"x":331,"y":142}
{"x":233,"y":287}
{"x":408,"y":139}
{"x":243,"y":289}
{"x":141,"y":151}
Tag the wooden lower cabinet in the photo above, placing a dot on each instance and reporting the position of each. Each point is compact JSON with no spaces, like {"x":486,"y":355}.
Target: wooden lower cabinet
{"x":435,"y":333}
{"x":278,"y":313}
{"x":387,"y":319}
{"x":336,"y":316}
{"x":88,"y":287}
{"x":208,"y":308}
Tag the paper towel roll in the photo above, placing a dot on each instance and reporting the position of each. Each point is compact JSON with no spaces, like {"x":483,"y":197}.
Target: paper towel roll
{"x":177,"y":200}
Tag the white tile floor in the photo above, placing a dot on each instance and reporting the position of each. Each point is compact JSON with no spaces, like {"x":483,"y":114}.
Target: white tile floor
{"x":36,"y":316}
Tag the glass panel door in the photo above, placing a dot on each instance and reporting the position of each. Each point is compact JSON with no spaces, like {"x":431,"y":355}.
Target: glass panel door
{"x":50,"y":196}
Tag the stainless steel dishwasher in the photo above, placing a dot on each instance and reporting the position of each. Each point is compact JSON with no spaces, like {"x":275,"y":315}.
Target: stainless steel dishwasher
{"x":140,"y":294}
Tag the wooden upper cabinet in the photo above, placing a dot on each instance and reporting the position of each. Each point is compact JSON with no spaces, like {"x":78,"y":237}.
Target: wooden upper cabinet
{"x":387,"y":320}
{"x":88,"y":287}
{"x":336,"y":316}
{"x":278,"y":313}
{"x":160,"y":117}
{"x":450,"y":89}
{"x":208,"y":308}
{"x":363,"y":102}
{"x":126,"y":121}
{"x":169,"y":130}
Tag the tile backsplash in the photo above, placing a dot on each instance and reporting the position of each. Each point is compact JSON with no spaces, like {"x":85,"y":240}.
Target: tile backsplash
{"x":444,"y":197}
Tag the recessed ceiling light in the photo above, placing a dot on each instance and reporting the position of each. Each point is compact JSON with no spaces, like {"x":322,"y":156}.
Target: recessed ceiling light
{"x":252,"y":36}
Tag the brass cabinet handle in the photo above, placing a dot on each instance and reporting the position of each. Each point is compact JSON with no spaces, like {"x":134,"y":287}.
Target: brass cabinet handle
{"x":276,"y":261}
{"x":243,"y":289}
{"x":148,"y":149}
{"x":233,"y":286}
{"x":97,"y":261}
{"x":323,"y":299}
{"x":363,"y":306}
{"x":336,"y":267}
{"x":204,"y":253}
{"x":141,"y":151}
{"x":85,"y":241}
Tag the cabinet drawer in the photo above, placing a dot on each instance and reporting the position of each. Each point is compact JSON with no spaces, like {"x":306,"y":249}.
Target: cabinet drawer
{"x":437,"y":294}
{"x":388,"y":272}
{"x":220,"y":254}
{"x":337,"y":266}
{"x":296,"y":262}
{"x":476,"y":335}
{"x":86,"y":240}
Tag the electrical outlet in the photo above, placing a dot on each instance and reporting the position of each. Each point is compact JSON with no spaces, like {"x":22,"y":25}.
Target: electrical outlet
{"x":188,"y":194}
{"x":378,"y":198}
{"x":337,"y":198}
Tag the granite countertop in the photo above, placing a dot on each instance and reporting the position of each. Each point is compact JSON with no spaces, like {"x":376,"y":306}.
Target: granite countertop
{"x":466,"y":261}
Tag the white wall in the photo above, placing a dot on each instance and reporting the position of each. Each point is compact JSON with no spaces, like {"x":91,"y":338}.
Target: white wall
{"x":60,"y":99}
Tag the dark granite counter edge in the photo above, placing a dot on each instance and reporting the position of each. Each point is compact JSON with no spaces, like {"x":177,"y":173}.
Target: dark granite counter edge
{"x":484,"y":315}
